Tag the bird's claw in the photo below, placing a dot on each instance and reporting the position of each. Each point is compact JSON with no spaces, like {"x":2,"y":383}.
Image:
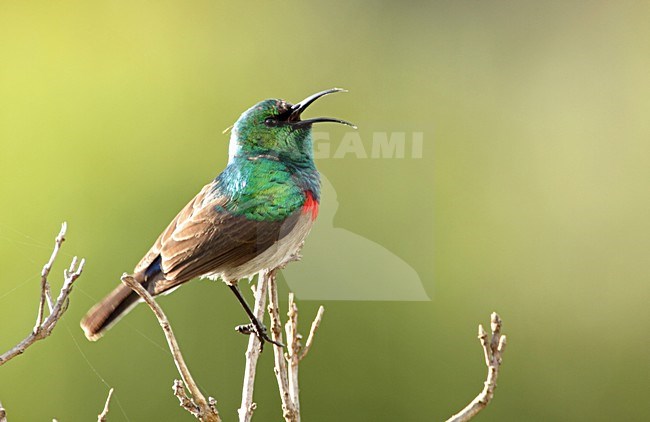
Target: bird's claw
{"x":246,"y":329}
{"x":260,"y":331}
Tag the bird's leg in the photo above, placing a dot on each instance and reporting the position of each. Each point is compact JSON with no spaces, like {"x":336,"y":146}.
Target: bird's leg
{"x":255,"y":326}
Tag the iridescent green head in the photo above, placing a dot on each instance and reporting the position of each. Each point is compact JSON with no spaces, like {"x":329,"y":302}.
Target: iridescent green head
{"x":274,"y":127}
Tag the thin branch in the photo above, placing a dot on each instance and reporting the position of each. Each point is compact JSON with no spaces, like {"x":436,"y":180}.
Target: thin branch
{"x":3,"y":414}
{"x":202,"y":409}
{"x":46,"y":295}
{"x":492,"y":350}
{"x":288,"y":409}
{"x":44,"y":326}
{"x":253,"y":351}
{"x":187,"y":403}
{"x":310,"y":338}
{"x":296,"y":351}
{"x":103,"y":417}
{"x":293,"y":353}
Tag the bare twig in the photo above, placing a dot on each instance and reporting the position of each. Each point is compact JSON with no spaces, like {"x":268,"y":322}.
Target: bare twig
{"x":44,"y":326}
{"x":253,"y":352}
{"x":3,"y":414}
{"x":296,"y":352}
{"x":202,"y":409}
{"x":103,"y":417}
{"x":187,"y":403}
{"x":287,"y":377}
{"x":46,"y":295}
{"x":492,"y":351}
{"x":310,"y":338}
{"x":293,"y":353}
{"x":288,"y":409}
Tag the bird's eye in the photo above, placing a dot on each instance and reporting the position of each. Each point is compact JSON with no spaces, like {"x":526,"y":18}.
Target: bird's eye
{"x":270,"y":121}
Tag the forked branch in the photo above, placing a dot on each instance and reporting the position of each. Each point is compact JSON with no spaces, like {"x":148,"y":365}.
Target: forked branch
{"x":45,"y":325}
{"x":286,"y":365}
{"x":492,"y":351}
{"x":204,"y":410}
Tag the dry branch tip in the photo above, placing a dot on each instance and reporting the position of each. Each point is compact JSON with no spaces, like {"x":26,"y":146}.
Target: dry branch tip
{"x":44,"y":325}
{"x":102,"y":417}
{"x":492,"y":351}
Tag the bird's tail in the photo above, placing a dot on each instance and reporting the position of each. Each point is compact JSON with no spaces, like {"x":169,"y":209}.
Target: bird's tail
{"x":104,"y":314}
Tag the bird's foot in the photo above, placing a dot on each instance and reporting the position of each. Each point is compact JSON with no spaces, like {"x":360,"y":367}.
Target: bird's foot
{"x":260,"y":331}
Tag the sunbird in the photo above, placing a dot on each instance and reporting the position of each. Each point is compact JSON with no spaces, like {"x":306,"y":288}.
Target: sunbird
{"x":253,"y":216}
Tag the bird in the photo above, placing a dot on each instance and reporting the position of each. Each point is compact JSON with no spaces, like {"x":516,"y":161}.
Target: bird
{"x":254,"y":216}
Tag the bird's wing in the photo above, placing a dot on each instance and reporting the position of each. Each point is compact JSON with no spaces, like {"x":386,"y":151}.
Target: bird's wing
{"x":204,"y":237}
{"x":187,"y":211}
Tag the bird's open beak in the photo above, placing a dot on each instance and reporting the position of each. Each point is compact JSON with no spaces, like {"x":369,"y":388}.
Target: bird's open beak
{"x":297,"y":109}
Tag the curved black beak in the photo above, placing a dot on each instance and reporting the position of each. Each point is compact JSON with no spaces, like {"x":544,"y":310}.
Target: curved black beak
{"x":297,"y":109}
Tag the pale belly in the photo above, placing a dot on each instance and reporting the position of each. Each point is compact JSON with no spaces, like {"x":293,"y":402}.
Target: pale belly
{"x":275,"y":256}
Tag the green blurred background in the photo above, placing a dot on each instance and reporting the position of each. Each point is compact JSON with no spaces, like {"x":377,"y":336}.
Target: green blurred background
{"x":531,"y":198}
